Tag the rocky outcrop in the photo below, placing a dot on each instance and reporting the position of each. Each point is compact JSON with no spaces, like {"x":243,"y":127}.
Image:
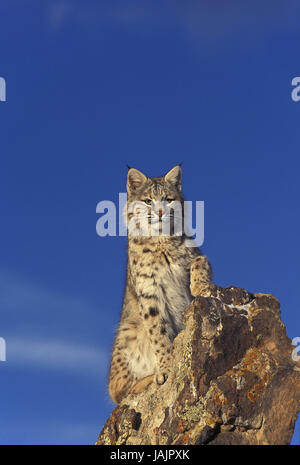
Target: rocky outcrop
{"x":234,"y":380}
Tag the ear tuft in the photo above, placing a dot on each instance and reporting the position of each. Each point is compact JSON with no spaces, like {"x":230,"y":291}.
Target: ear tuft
{"x":174,"y":177}
{"x":135,"y":179}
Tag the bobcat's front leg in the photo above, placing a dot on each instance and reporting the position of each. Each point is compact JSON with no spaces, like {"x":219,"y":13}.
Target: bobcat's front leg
{"x":201,"y":277}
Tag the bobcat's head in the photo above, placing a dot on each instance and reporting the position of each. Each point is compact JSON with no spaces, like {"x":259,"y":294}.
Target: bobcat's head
{"x":155,"y":205}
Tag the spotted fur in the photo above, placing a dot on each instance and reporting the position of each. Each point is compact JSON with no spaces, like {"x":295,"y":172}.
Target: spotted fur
{"x":158,"y":289}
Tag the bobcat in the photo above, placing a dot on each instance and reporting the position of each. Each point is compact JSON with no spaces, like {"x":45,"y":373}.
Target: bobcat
{"x":158,"y":287}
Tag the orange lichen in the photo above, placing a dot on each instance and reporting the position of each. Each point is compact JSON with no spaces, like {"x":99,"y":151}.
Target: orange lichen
{"x":251,"y":361}
{"x":220,"y":399}
{"x":251,"y":397}
{"x":181,"y":425}
{"x":254,"y":310}
{"x":184,"y":438}
{"x":254,"y":393}
{"x":212,"y":422}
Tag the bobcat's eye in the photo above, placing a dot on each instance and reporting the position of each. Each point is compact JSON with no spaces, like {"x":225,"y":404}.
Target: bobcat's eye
{"x":148,"y":201}
{"x":170,"y":200}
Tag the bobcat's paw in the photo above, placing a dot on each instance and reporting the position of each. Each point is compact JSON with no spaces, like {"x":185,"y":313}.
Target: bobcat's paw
{"x":203,"y":289}
{"x":142,"y":384}
{"x":161,"y":378}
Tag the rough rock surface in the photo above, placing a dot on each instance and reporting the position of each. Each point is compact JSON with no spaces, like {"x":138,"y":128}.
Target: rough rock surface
{"x":234,"y":380}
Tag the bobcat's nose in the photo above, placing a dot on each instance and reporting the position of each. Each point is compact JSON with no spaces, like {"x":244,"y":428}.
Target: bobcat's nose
{"x":160,"y":213}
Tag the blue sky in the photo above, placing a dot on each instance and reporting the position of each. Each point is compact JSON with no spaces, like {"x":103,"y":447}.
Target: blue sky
{"x":91,"y":86}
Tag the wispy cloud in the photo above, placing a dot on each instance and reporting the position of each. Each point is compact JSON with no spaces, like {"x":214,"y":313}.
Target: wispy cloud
{"x":205,"y":22}
{"x":49,"y":330}
{"x":30,"y":308}
{"x":62,"y":12}
{"x":48,"y":433}
{"x":59,"y":13}
{"x":56,"y":355}
{"x":20,"y":293}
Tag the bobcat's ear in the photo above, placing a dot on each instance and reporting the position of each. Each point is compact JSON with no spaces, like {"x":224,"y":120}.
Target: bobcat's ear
{"x":174,"y":177}
{"x":135,"y":179}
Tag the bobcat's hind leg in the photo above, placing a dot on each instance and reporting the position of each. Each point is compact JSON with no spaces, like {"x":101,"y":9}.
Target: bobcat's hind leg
{"x":121,"y":379}
{"x":120,"y":383}
{"x":201,"y":277}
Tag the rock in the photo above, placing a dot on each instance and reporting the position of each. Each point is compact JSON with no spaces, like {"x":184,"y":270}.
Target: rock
{"x":233,"y":382}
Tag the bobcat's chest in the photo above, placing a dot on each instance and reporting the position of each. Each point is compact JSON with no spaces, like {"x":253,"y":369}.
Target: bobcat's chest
{"x":169,"y":280}
{"x":174,"y":295}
